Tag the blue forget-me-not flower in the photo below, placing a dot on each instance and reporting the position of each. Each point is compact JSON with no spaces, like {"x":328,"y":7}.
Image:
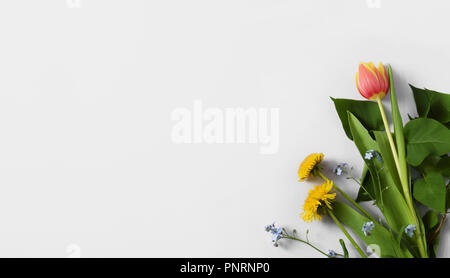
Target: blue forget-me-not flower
{"x":276,"y":232}
{"x":331,"y":254}
{"x":367,"y":228}
{"x":409,"y":230}
{"x":371,"y":153}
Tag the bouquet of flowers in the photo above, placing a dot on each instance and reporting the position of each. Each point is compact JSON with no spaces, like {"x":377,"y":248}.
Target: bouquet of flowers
{"x":404,"y":171}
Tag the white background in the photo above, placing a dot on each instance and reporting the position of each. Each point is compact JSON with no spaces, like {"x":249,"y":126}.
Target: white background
{"x":87,"y":163}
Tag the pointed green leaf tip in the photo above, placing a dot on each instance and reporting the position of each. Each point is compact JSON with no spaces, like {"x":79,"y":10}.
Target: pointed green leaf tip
{"x":432,"y":104}
{"x":366,"y":111}
{"x":431,"y":191}
{"x":425,"y":137}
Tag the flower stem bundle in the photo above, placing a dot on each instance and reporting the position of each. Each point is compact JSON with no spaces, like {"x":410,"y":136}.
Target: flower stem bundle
{"x":420,"y":147}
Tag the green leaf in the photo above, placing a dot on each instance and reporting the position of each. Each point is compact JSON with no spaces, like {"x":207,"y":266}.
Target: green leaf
{"x":388,"y":158}
{"x":425,"y":137}
{"x":379,"y":235}
{"x":444,"y":166}
{"x":388,"y":198}
{"x":366,"y":190}
{"x":431,"y":104}
{"x":344,"y":248}
{"x":435,"y":163}
{"x":429,"y":164}
{"x":399,"y":136}
{"x":431,"y":191}
{"x":400,"y":235}
{"x":363,"y":196}
{"x":431,"y":222}
{"x":366,"y":111}
{"x":364,"y":143}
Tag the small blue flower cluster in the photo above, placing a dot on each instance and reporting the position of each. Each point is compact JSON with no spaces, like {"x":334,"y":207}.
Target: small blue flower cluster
{"x":371,"y":153}
{"x":367,"y":228}
{"x":331,"y":254}
{"x":276,"y":232}
{"x":409,"y":230}
{"x":340,"y":169}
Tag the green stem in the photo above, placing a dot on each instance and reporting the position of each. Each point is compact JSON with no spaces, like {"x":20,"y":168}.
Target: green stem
{"x":352,"y":241}
{"x":362,"y":186}
{"x":399,"y":134}
{"x":307,"y":243}
{"x":403,"y":179}
{"x":405,"y":187}
{"x":389,"y":135}
{"x":349,"y":199}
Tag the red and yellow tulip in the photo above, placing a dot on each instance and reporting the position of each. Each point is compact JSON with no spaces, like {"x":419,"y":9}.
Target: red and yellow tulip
{"x":372,"y":82}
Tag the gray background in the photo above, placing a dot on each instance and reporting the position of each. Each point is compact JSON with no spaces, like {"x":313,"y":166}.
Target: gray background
{"x":87,"y":164}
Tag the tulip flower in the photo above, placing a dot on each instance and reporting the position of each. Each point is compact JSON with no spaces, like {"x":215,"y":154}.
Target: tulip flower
{"x":372,"y":82}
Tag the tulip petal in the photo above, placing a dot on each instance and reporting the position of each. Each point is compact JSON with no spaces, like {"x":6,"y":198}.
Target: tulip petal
{"x":371,"y":67}
{"x":372,"y":82}
{"x":385,"y":84}
{"x":368,"y":81}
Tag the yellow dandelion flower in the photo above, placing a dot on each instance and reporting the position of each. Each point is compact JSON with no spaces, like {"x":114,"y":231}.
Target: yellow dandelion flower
{"x":317,"y":197}
{"x":308,"y":165}
{"x":310,"y":213}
